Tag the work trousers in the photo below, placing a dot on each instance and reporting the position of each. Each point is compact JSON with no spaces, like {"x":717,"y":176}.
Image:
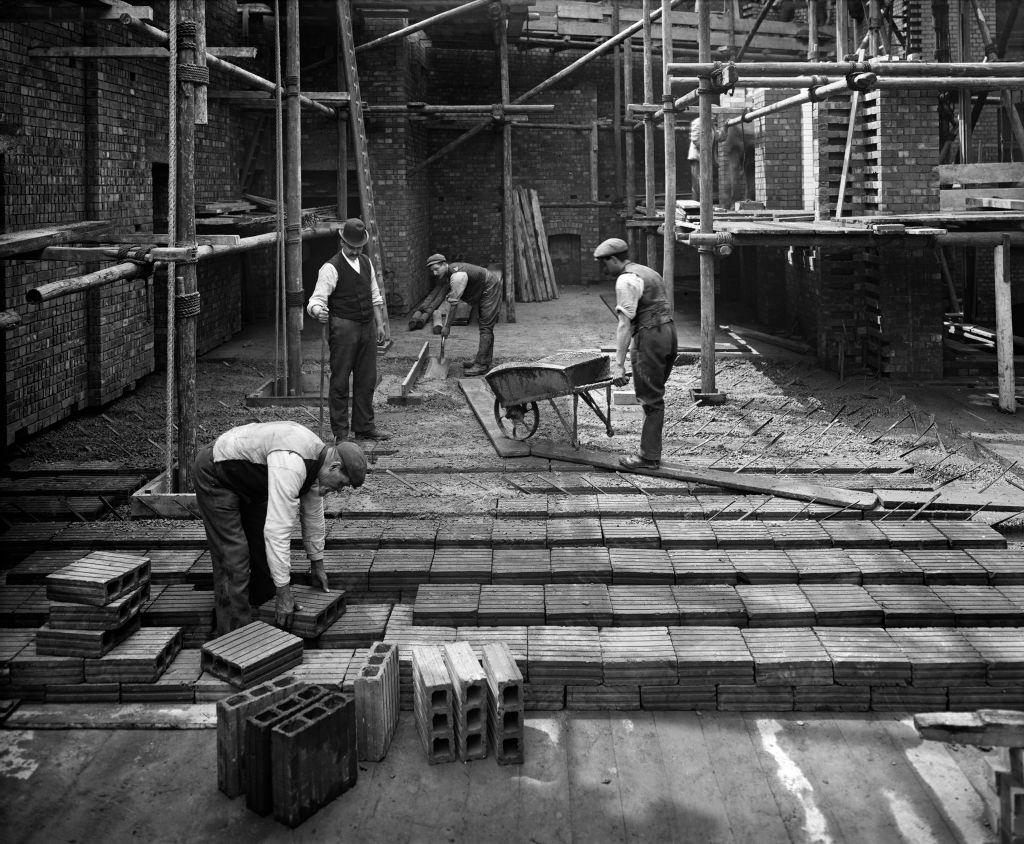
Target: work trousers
{"x":234,"y":532}
{"x":489,"y":302}
{"x":353,"y":355}
{"x":653,"y":358}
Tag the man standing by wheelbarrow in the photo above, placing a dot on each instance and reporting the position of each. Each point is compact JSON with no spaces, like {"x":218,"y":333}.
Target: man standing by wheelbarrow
{"x":478,"y":287}
{"x":647,"y":331}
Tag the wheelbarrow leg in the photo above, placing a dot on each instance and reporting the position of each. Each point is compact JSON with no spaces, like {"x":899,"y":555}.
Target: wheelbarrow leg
{"x":608,"y":404}
{"x":561,"y":418}
{"x":575,"y":420}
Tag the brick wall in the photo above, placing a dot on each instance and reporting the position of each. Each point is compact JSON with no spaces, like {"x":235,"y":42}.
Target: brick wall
{"x":88,"y":134}
{"x":777,"y":162}
{"x":465,"y":188}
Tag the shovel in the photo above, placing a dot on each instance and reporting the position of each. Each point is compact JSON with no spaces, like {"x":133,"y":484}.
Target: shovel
{"x":437,"y":367}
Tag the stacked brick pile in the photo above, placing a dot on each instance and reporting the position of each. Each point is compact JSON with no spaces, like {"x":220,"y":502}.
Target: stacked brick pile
{"x":92,"y":642}
{"x":460,"y":704}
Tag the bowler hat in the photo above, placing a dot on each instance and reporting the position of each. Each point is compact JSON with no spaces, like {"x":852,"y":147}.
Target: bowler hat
{"x":354,"y":232}
{"x":436,"y":258}
{"x":611,"y":247}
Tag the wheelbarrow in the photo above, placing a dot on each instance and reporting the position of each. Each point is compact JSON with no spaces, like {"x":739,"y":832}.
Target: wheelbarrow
{"x":518,"y":387}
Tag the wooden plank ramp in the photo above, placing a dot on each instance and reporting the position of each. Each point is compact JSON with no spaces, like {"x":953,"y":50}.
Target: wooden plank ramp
{"x":836,"y":496}
{"x":481,"y":400}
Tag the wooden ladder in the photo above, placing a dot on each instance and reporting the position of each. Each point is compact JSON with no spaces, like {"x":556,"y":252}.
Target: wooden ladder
{"x":348,"y":55}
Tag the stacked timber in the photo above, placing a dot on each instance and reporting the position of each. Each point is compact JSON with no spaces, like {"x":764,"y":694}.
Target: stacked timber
{"x":422,"y":313}
{"x":535,"y":275}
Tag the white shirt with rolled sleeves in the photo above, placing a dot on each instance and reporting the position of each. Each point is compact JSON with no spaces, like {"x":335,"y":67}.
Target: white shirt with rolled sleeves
{"x":327,"y":280}
{"x":629,"y":287}
{"x":282,"y":447}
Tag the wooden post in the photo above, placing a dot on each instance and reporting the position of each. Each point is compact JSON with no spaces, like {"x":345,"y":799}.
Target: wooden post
{"x":669,"y":125}
{"x":202,"y":115}
{"x":293,"y":204}
{"x":342,"y":132}
{"x":627,"y":85}
{"x":851,"y":126}
{"x":188,"y":284}
{"x":650,"y":241}
{"x":707,"y":209}
{"x":1004,"y":330}
{"x":812,"y":31}
{"x":507,"y":239}
{"x":617,"y":103}
{"x":842,"y":29}
{"x":594,"y":174}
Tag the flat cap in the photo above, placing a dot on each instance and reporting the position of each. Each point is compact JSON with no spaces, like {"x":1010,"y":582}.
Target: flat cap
{"x":611,"y":246}
{"x":436,"y":258}
{"x":354,"y":461}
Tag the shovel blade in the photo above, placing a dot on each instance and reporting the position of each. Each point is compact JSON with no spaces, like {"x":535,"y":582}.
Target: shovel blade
{"x":437,"y":369}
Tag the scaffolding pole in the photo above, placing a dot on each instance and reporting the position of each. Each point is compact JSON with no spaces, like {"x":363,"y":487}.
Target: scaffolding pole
{"x":650,"y":241}
{"x":706,"y":254}
{"x":669,"y":125}
{"x":293,"y":221}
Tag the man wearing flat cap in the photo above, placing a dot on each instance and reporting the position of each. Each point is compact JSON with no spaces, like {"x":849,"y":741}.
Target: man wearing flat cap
{"x":478,"y":287}
{"x":348,"y":300}
{"x":250,"y":483}
{"x":647,"y":332}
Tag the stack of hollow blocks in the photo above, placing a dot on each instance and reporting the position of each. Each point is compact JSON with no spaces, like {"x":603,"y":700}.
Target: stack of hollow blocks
{"x":92,"y":641}
{"x":289,"y":747}
{"x":462,"y":704}
{"x":292,"y":747}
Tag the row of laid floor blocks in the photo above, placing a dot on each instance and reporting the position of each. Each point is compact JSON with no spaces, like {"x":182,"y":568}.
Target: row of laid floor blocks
{"x":358,"y":570}
{"x":761,"y":605}
{"x":548,"y":531}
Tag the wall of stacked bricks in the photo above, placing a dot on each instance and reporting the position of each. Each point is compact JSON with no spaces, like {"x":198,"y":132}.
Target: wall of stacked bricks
{"x":907,"y":151}
{"x":90,"y":131}
{"x":984,"y":284}
{"x":777,"y":164}
{"x":984,"y":136}
{"x":391,"y":74}
{"x":911,"y":302}
{"x":466,"y":199}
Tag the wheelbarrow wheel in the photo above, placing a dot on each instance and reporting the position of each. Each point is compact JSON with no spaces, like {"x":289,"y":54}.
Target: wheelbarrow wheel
{"x":517,"y":421}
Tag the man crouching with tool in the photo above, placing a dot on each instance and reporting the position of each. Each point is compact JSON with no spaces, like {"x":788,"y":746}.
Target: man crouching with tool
{"x":647,"y":331}
{"x":250,"y":482}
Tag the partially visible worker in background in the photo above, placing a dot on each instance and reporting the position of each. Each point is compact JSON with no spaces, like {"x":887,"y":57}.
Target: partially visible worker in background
{"x":693,"y":157}
{"x":348,"y":299}
{"x":478,"y":287}
{"x":250,"y":484}
{"x":646,"y":330}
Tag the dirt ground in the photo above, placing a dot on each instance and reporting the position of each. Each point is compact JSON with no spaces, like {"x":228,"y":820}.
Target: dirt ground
{"x":781,"y":406}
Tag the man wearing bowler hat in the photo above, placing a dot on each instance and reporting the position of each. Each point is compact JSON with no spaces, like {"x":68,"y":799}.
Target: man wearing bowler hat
{"x":348,"y":300}
{"x":478,"y":287}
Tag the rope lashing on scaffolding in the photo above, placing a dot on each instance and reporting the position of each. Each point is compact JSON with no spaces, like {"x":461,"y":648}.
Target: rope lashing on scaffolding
{"x":188,"y":32}
{"x":187,"y":305}
{"x":291,"y":86}
{"x":135,"y":254}
{"x":294,"y":298}
{"x":195,"y":73}
{"x":293,"y":233}
{"x":861,"y":81}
